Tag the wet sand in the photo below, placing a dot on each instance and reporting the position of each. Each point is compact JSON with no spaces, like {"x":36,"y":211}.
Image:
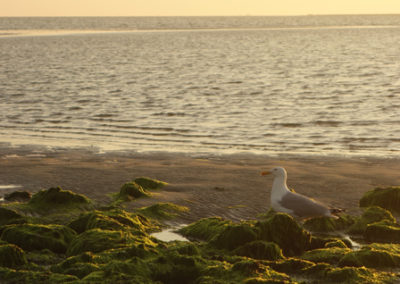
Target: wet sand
{"x":227,"y":186}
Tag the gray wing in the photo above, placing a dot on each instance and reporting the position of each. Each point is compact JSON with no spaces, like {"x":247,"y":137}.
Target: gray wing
{"x":303,"y":206}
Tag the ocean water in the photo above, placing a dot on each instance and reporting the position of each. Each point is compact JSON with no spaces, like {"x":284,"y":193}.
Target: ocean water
{"x":325,"y":85}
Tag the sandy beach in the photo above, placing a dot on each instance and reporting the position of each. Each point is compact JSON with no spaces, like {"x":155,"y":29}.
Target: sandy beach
{"x":227,"y":186}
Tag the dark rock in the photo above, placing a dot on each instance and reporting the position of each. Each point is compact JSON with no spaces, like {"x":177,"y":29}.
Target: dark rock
{"x":388,"y":198}
{"x":11,"y":256}
{"x":18,"y":196}
{"x":57,"y":198}
{"x":383,"y":232}
{"x":370,"y":215}
{"x":234,"y":236}
{"x":205,"y":229}
{"x":283,"y":230}
{"x":132,"y":190}
{"x":260,"y":250}
{"x":36,"y":237}
{"x":9,"y":216}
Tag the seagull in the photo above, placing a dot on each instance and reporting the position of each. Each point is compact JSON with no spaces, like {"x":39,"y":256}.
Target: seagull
{"x":295,"y":204}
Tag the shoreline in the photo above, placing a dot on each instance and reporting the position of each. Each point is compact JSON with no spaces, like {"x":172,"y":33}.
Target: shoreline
{"x":229,"y":186}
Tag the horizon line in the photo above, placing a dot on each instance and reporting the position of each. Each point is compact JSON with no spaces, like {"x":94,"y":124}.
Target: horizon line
{"x":216,"y":15}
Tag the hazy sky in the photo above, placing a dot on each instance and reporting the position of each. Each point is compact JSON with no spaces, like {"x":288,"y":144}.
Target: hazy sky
{"x":194,"y":7}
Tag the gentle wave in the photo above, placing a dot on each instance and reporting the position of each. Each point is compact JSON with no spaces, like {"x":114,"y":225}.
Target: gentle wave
{"x":322,"y":89}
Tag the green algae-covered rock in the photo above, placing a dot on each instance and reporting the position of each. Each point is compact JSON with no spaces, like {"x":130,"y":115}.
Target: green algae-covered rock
{"x":97,"y":240}
{"x":79,"y":266}
{"x":370,"y":215}
{"x":383,"y":232}
{"x":336,"y":244}
{"x":388,"y":198}
{"x":36,"y":237}
{"x":11,"y":256}
{"x":370,"y":257}
{"x":149,"y":184}
{"x":130,"y":191}
{"x":254,"y":270}
{"x":290,"y":265}
{"x":186,"y":248}
{"x":260,"y":250}
{"x":176,"y":268}
{"x":392,"y":248}
{"x":163,"y":211}
{"x":44,"y":257}
{"x":283,"y":230}
{"x":234,"y":236}
{"x":325,"y":224}
{"x":9,"y":216}
{"x":111,"y":220}
{"x":205,"y":229}
{"x":318,"y":242}
{"x":328,"y":255}
{"x":356,"y":275}
{"x":8,"y":275}
{"x":93,"y":220}
{"x":58,"y":198}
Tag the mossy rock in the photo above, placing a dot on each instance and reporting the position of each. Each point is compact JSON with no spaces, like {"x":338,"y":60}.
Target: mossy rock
{"x":8,"y":275}
{"x":234,"y":236}
{"x":18,"y":196}
{"x":326,"y":224}
{"x":317,"y":271}
{"x":388,"y":198}
{"x":11,"y":256}
{"x":44,"y":257}
{"x":149,"y":184}
{"x":93,"y":220}
{"x":163,"y":211}
{"x":260,"y":250}
{"x":111,"y":220}
{"x":392,"y":248}
{"x":328,"y":255}
{"x":57,"y":198}
{"x":383,"y":232}
{"x":9,"y":216}
{"x":282,"y":229}
{"x":337,"y":244}
{"x":134,"y":270}
{"x":370,"y":215}
{"x":97,"y":240}
{"x":37,"y":237}
{"x":318,"y":242}
{"x":79,"y":266}
{"x":205,"y":229}
{"x":175,"y":268}
{"x":355,"y":275}
{"x":290,"y":265}
{"x":185,"y":248}
{"x":370,"y":257}
{"x":254,"y":270}
{"x":130,"y":191}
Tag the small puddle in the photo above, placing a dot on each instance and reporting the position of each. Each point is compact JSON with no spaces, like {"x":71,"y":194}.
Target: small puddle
{"x":168,"y":235}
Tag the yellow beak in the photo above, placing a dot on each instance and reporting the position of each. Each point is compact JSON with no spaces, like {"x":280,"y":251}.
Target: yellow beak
{"x":265,"y":173}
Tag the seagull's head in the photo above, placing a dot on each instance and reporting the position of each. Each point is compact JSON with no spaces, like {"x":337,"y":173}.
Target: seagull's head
{"x":276,"y":172}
